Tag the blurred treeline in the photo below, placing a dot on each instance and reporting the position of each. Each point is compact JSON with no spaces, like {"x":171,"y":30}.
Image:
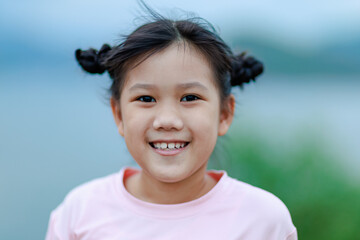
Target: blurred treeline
{"x":340,"y":57}
{"x":322,"y":199}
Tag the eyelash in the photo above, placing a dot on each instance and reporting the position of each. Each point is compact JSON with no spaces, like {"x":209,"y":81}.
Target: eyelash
{"x":191,"y":95}
{"x":151,"y":99}
{"x":142,"y":99}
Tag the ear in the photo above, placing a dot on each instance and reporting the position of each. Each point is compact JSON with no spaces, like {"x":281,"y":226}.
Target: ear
{"x":115,"y":107}
{"x":226,"y":115}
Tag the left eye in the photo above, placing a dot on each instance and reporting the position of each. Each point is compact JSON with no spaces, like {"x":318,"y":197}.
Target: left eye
{"x":189,"y":98}
{"x":146,"y":99}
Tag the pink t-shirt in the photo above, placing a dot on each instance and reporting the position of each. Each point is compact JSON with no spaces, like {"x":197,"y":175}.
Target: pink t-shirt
{"x":104,"y":209}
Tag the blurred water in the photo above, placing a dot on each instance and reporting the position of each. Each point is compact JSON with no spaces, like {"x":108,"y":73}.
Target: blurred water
{"x":57,"y":131}
{"x":323,"y":107}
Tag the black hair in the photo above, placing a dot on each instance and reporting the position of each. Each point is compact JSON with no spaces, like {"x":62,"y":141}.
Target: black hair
{"x":159,"y":33}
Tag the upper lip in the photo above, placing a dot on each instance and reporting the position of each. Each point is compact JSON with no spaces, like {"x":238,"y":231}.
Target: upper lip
{"x":168,"y":141}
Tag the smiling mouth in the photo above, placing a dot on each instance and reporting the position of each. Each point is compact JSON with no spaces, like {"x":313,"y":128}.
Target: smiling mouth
{"x":168,"y":146}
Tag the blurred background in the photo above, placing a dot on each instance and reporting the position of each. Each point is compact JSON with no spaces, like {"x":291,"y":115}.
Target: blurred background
{"x":296,"y":132}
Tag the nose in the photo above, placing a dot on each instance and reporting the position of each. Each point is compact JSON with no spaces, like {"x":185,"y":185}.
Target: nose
{"x":168,"y":118}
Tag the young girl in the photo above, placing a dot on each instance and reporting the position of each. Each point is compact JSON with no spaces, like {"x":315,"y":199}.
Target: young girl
{"x":171,"y":98}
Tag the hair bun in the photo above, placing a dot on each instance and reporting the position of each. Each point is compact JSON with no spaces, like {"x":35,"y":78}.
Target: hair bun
{"x":245,"y":69}
{"x":91,"y":59}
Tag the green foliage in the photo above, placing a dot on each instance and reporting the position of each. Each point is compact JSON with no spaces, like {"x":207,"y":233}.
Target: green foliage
{"x":324,"y":203}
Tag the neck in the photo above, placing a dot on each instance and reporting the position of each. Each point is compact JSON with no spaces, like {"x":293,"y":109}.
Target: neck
{"x":151,"y":190}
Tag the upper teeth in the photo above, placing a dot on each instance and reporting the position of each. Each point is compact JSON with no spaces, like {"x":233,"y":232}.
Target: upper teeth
{"x":169,"y":145}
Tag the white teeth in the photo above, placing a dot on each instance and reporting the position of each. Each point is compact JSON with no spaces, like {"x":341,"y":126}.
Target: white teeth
{"x":168,"y":146}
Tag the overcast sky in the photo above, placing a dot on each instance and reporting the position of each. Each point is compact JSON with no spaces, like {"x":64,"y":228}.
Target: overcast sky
{"x":303,"y":23}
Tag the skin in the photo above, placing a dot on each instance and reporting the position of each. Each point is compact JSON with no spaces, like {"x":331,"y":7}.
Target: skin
{"x":172,"y":95}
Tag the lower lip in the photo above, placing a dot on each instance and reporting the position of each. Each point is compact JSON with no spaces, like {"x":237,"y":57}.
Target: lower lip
{"x":169,"y":152}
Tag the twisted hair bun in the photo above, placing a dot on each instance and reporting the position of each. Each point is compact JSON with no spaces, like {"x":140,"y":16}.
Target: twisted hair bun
{"x":91,"y":60}
{"x":245,"y":69}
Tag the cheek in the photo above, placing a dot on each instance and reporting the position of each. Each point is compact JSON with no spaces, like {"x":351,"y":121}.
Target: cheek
{"x":135,"y":125}
{"x":204,"y":124}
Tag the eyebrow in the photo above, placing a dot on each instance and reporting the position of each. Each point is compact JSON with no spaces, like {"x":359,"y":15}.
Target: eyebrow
{"x":183,"y":86}
{"x":192,"y":85}
{"x":141,"y":86}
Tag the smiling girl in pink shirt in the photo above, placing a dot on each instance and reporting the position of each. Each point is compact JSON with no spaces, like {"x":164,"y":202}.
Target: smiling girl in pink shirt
{"x":171,"y":98}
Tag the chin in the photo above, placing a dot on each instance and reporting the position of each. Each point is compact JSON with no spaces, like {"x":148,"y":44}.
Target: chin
{"x":166,"y":178}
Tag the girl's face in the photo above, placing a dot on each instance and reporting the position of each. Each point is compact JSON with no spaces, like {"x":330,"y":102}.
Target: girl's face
{"x":170,"y":115}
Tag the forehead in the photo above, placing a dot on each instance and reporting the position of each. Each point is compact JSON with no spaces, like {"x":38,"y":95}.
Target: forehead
{"x":178,"y":63}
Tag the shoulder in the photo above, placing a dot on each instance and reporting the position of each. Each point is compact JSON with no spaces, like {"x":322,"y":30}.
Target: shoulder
{"x":94,"y":189}
{"x":79,"y":204}
{"x":87,"y":195}
{"x":258,"y":198}
{"x":261,"y":207}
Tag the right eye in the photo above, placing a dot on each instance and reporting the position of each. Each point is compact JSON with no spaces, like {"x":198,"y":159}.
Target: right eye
{"x":146,"y":99}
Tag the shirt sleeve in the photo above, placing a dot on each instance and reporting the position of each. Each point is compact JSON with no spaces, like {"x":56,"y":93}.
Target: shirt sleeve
{"x":50,"y":234}
{"x":292,"y":235}
{"x":59,"y":225}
